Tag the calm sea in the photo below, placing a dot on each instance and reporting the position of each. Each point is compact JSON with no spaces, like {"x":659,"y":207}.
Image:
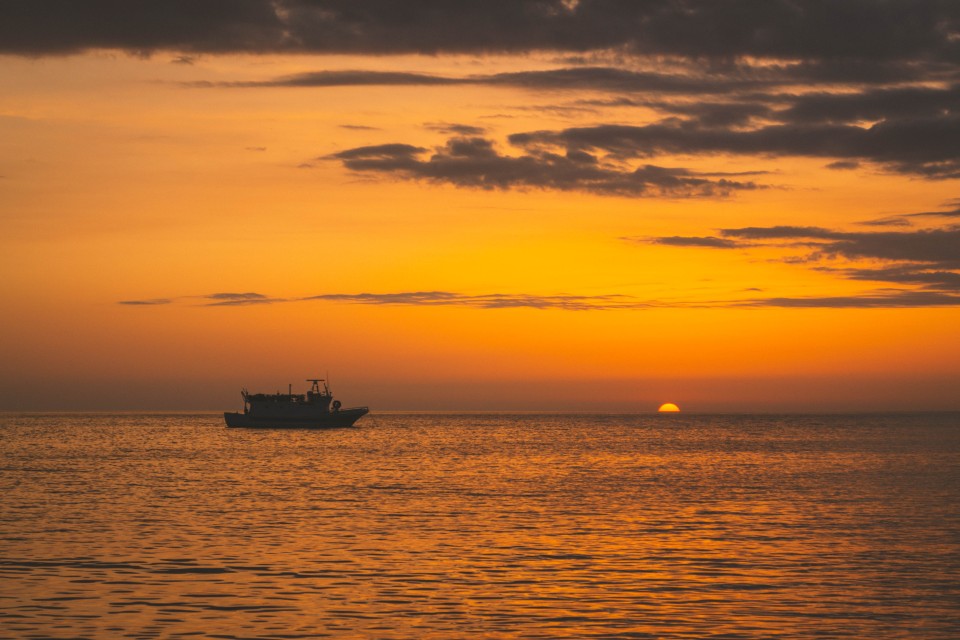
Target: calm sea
{"x":492,"y":526}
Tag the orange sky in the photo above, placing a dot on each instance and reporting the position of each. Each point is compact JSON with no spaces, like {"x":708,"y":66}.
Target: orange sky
{"x":135,"y":187}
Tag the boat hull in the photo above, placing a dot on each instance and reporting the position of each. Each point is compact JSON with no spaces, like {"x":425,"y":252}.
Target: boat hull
{"x":331,"y":420}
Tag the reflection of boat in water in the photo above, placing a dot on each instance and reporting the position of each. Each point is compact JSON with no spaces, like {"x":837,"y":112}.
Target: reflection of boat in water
{"x":316,"y":409}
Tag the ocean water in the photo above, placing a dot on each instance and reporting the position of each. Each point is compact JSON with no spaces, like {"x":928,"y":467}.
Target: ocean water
{"x":488,"y":526}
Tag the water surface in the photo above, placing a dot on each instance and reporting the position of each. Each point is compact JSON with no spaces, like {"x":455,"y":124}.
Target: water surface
{"x":495,"y":526}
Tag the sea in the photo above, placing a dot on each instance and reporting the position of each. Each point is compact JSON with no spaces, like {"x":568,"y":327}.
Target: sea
{"x":481,"y":526}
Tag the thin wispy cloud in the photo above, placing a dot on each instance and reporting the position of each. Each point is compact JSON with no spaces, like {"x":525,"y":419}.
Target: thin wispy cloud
{"x":565,"y":302}
{"x":918,"y":267}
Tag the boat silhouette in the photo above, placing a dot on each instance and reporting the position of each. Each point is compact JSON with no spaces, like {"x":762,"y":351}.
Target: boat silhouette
{"x":315,"y":409}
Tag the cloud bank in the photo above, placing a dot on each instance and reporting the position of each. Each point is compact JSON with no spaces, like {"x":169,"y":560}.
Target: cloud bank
{"x":785,"y":29}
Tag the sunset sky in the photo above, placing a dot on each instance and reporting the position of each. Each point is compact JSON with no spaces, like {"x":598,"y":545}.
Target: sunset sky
{"x":481,"y":205}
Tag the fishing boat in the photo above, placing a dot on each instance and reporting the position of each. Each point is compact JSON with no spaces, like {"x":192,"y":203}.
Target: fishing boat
{"x":315,"y":409}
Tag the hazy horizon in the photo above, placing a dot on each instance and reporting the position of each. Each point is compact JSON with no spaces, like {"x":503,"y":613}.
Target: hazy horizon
{"x":783,"y":395}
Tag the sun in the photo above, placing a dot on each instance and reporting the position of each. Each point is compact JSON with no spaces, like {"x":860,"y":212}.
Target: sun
{"x":668,"y":407}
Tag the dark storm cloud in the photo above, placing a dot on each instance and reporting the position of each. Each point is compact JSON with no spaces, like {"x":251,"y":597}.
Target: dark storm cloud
{"x":475,"y":162}
{"x":929,"y":147}
{"x":783,"y":29}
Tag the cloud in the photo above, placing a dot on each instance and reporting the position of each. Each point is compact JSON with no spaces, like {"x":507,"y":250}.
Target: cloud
{"x":475,"y":162}
{"x":238,"y":299}
{"x":147,"y":303}
{"x":890,"y":300}
{"x":929,"y":147}
{"x":928,"y":246}
{"x":681,"y":78}
{"x":932,"y":246}
{"x":916,"y":268}
{"x":844,"y":165}
{"x":686,"y":241}
{"x":906,"y":219}
{"x":778,"y":29}
{"x":908,"y":274}
{"x":348,"y":78}
{"x":872,"y":105}
{"x":226,"y":299}
{"x":684,"y":81}
{"x":421,"y":298}
{"x":921,"y":266}
{"x":489,"y":301}
{"x":455,"y":129}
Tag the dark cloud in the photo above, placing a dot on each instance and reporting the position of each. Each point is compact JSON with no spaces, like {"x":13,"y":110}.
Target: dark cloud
{"x":933,"y":246}
{"x":687,"y":241}
{"x":844,"y":165}
{"x":148,"y":302}
{"x":883,"y":300}
{"x":929,"y":147}
{"x":455,"y":129}
{"x":43,"y":27}
{"x":358,"y":127}
{"x":872,"y":105}
{"x":777,"y":29}
{"x":906,"y":219}
{"x":922,"y":265}
{"x":609,"y":79}
{"x":908,"y":274}
{"x":475,"y":162}
{"x":347,"y":78}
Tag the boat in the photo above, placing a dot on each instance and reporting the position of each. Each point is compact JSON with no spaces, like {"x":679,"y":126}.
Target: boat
{"x":315,"y":409}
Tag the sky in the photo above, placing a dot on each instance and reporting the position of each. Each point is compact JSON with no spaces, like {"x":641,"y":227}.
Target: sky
{"x":501,"y":205}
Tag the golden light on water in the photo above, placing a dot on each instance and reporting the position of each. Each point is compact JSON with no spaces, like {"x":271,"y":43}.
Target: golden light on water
{"x":668,"y":407}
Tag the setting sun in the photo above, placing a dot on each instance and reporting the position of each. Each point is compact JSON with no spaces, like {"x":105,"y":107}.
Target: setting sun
{"x":668,"y":407}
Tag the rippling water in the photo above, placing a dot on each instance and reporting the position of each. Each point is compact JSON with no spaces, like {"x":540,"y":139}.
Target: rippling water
{"x":495,"y":526}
